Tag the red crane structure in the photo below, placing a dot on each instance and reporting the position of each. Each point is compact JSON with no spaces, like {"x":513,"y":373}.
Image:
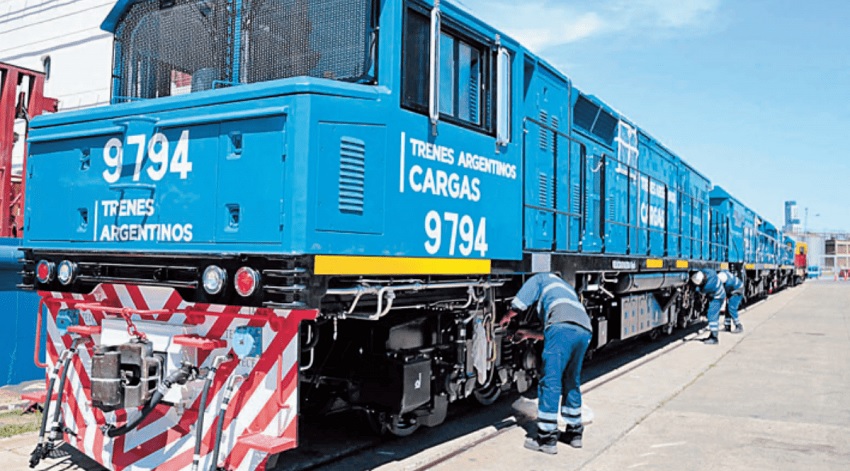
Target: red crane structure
{"x":21,"y":98}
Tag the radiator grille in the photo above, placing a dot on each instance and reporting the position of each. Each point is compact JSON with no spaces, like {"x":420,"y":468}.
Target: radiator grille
{"x":584,"y":113}
{"x":170,"y":50}
{"x":606,"y":125}
{"x":317,"y":38}
{"x":172,"y":47}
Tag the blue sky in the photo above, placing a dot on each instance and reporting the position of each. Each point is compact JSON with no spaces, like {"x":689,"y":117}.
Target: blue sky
{"x":753,"y":93}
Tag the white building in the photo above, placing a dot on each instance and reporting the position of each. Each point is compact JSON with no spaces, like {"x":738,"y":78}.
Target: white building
{"x":64,"y":39}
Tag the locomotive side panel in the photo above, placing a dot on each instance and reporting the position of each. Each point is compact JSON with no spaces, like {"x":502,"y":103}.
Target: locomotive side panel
{"x":549,"y":223}
{"x":592,"y":136}
{"x":695,"y":209}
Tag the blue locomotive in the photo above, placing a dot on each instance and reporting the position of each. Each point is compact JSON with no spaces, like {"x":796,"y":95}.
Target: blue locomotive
{"x":329,"y":204}
{"x":750,"y":246}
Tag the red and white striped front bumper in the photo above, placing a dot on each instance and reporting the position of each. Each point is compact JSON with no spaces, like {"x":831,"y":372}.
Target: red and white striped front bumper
{"x":261,"y":417}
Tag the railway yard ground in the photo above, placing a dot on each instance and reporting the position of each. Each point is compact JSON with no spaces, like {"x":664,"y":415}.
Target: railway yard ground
{"x":771,"y":398}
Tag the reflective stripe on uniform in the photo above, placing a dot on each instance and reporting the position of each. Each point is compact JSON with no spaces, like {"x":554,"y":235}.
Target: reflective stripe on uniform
{"x":546,"y":426}
{"x":571,"y":415}
{"x":572,"y":303}
{"x":547,"y":421}
{"x":552,"y":286}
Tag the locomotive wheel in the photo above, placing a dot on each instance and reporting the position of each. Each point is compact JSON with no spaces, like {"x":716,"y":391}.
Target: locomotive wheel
{"x":487,"y":395}
{"x":402,"y":426}
{"x":399,"y":426}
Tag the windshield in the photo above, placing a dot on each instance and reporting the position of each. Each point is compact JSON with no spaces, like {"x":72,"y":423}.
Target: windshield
{"x":166,"y":48}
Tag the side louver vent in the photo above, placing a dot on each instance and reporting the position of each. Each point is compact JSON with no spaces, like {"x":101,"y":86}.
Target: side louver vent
{"x":544,"y":134}
{"x":555,"y":123}
{"x":575,"y":198}
{"x":352,"y":175}
{"x":545,"y":191}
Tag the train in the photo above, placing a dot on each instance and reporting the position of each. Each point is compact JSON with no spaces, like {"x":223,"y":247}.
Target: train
{"x":311,"y":206}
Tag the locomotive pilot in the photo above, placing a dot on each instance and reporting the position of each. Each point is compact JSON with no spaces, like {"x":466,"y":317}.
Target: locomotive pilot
{"x":566,"y":335}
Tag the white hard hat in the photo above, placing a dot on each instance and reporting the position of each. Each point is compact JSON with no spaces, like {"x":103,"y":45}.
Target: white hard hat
{"x":697,"y":278}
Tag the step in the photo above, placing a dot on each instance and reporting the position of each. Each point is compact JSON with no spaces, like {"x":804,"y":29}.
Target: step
{"x":266,"y":443}
{"x":37,"y":396}
{"x":201,"y":343}
{"x":85,"y":330}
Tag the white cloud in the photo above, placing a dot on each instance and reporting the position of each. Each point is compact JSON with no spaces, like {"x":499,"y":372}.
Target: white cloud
{"x":672,"y":14}
{"x":543,"y":23}
{"x":559,"y":28}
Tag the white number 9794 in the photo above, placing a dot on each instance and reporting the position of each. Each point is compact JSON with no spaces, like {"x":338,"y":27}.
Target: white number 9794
{"x":462,"y":227}
{"x":157,"y":152}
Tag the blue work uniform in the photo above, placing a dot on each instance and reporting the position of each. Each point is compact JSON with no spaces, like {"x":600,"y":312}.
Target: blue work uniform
{"x":713,"y":288}
{"x":566,"y":336}
{"x":734,"y":288}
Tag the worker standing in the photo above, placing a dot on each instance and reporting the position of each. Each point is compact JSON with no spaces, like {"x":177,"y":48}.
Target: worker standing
{"x":709,"y":284}
{"x":734,"y":288}
{"x":566,"y":334}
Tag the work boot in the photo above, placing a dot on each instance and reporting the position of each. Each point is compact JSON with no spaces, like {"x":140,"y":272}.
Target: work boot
{"x":738,"y":328}
{"x":728,"y":327}
{"x":547,"y":442}
{"x":572,"y":436}
{"x":712,"y":339}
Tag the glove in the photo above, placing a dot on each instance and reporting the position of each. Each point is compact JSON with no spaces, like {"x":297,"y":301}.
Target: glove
{"x":525,"y":334}
{"x":519,"y":336}
{"x":504,"y":321}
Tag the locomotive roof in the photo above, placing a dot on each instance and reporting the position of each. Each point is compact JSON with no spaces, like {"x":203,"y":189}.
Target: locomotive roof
{"x":115,"y":14}
{"x":719,"y":192}
{"x":617,"y":114}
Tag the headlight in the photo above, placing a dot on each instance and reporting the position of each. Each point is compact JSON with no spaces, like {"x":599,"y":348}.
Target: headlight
{"x":214,"y":279}
{"x":66,"y":272}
